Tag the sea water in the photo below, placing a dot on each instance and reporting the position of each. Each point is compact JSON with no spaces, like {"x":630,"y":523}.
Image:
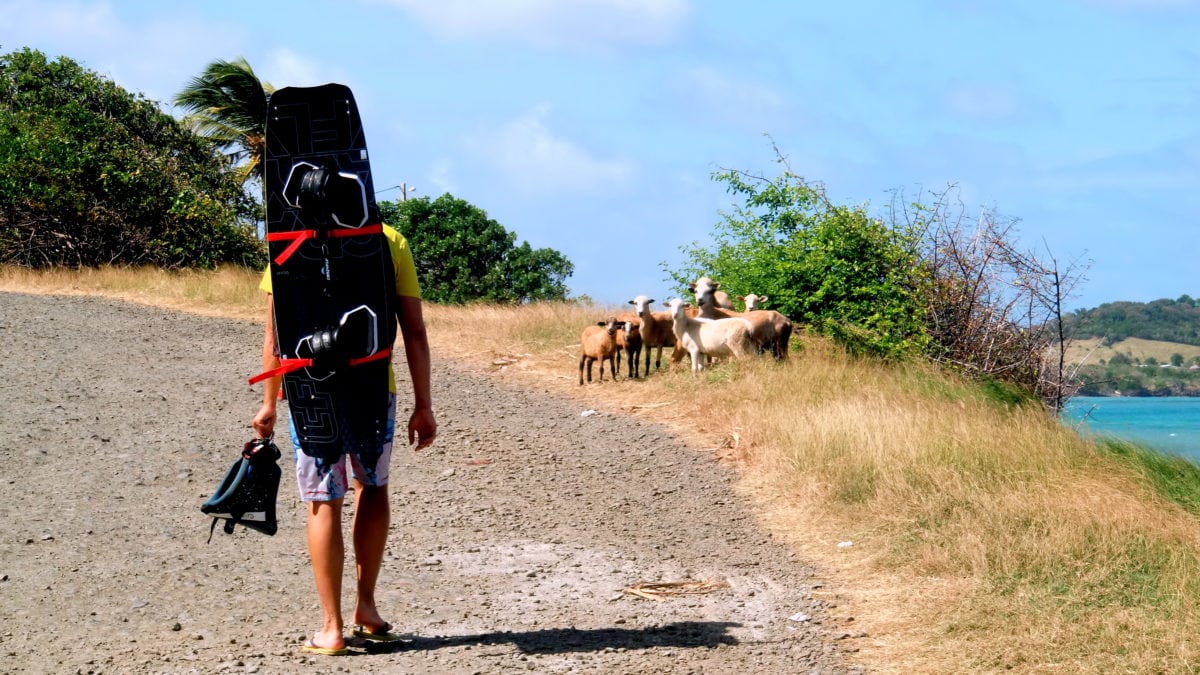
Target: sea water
{"x":1170,"y":424}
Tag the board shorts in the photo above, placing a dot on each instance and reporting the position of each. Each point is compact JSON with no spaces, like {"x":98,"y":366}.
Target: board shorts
{"x":320,"y":480}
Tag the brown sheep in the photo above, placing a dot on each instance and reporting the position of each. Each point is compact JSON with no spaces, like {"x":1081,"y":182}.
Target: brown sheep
{"x":655,"y":329}
{"x":629,"y":340}
{"x":598,"y":343}
{"x":783,"y":325}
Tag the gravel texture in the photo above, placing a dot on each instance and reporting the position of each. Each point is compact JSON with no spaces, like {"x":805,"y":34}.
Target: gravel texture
{"x":513,"y":537}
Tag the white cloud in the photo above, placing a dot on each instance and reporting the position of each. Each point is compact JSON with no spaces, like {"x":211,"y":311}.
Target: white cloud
{"x":715,"y":92}
{"x":554,"y":23}
{"x":86,"y":25}
{"x":441,"y":175}
{"x":983,"y":102}
{"x":152,"y":55}
{"x":533,"y":158}
{"x":286,"y":68}
{"x":995,"y":103}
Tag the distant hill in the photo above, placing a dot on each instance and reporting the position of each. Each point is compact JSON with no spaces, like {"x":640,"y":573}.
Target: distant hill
{"x":1138,"y":350}
{"x":1161,"y":320}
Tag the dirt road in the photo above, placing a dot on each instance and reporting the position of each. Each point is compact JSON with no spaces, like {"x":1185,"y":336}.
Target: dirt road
{"x":512,"y":538}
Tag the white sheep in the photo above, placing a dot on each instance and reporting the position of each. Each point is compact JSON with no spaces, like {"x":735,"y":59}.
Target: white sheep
{"x":655,"y":328}
{"x":721,"y":297}
{"x":770,"y":330}
{"x":708,"y":337}
{"x":598,"y":343}
{"x":753,"y":301}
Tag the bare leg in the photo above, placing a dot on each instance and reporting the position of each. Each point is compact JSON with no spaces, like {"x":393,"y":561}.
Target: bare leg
{"x":327,"y":551}
{"x":372,"y":516}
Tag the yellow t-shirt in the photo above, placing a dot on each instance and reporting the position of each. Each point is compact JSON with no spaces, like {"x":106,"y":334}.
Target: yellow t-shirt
{"x":402,"y":263}
{"x":406,"y":278}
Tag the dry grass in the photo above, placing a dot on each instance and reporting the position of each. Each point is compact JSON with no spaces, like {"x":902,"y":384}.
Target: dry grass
{"x":984,"y":537}
{"x":229,"y":291}
{"x":1092,"y":350}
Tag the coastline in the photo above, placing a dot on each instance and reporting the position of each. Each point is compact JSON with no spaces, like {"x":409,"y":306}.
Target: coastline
{"x":1168,"y":424}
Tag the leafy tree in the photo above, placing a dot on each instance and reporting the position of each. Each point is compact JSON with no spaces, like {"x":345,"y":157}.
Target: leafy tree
{"x":830,"y":266}
{"x":228,"y":105}
{"x":1177,"y":360}
{"x":923,"y":282}
{"x":1165,"y":320}
{"x":462,"y":255}
{"x":536,"y":274}
{"x":92,"y":174}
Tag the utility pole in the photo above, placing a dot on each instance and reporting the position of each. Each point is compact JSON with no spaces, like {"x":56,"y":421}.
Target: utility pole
{"x":404,"y":189}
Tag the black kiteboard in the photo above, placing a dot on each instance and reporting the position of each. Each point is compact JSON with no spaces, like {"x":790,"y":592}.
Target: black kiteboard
{"x":331,"y":272}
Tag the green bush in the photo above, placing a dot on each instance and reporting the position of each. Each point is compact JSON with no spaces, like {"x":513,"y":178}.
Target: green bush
{"x":92,"y":174}
{"x":462,"y":255}
{"x":832,"y":267}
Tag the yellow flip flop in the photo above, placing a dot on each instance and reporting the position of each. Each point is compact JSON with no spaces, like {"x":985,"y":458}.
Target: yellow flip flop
{"x":311,"y":648}
{"x":382,"y":634}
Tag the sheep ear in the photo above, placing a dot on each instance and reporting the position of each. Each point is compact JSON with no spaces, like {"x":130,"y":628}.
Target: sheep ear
{"x":601,"y":323}
{"x":632,"y":302}
{"x":741,"y":297}
{"x":651,"y":299}
{"x":764,"y":298}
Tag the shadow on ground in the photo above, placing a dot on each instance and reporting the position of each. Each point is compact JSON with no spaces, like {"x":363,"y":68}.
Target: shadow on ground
{"x":565,"y":640}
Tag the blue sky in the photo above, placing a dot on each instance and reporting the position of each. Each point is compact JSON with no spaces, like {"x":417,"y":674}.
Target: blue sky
{"x":593,"y":126}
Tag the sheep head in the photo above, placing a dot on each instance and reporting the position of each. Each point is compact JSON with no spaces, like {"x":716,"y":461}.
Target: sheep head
{"x":642,"y":305}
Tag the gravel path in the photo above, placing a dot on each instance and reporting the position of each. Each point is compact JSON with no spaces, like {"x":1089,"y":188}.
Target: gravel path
{"x":512,"y":538}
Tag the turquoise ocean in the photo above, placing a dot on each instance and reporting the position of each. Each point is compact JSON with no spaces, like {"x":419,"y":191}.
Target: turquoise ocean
{"x":1169,"y":424}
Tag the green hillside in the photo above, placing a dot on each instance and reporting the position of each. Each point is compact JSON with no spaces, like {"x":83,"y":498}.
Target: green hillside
{"x":1137,"y":348}
{"x":1161,"y":320}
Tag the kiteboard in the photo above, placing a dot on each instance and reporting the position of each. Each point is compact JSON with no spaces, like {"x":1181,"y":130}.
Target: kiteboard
{"x":331,"y":272}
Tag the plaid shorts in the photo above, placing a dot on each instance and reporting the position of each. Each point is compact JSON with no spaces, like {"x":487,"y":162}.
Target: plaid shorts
{"x":325,"y":480}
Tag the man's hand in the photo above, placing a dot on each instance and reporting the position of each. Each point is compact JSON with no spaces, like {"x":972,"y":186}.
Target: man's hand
{"x":422,"y":428}
{"x":264,"y":422}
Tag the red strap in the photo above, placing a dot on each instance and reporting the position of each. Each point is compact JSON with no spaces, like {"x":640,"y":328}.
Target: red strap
{"x":285,"y":366}
{"x":377,"y":356}
{"x":298,"y":237}
{"x":291,"y":365}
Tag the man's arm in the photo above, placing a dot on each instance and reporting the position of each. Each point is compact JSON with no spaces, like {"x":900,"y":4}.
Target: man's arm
{"x":422,"y":426}
{"x":264,"y":421}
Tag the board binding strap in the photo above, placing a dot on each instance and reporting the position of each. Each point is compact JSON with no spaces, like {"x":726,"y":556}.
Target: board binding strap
{"x":247,"y":493}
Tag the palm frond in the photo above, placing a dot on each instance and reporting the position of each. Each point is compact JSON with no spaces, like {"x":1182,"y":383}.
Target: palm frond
{"x":228,"y":105}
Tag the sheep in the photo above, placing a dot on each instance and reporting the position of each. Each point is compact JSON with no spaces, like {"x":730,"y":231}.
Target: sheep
{"x":655,"y":329}
{"x":629,"y":340}
{"x":782,"y":324}
{"x":711,"y":337}
{"x":771,"y":330}
{"x":721,"y":297}
{"x":598,"y":343}
{"x":753,"y":301}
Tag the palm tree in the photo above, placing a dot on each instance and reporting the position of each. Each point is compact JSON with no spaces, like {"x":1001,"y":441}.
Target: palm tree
{"x":228,"y":104}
